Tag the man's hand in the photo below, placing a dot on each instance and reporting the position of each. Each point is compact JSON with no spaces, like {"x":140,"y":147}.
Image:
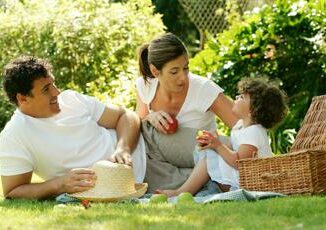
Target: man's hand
{"x":122,"y":157}
{"x":77,"y":180}
{"x":20,"y":186}
{"x":127,"y":125}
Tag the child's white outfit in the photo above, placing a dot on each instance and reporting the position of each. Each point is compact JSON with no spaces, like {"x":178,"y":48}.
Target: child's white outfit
{"x":222,"y":172}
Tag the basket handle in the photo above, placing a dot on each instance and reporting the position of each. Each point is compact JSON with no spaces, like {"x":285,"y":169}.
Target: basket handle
{"x":272,"y":176}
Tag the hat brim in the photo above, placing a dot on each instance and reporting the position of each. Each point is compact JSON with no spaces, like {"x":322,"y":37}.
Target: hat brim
{"x":140,"y":190}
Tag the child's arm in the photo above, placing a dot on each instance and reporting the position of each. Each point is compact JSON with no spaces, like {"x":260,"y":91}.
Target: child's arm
{"x":207,"y":140}
{"x":231,"y":157}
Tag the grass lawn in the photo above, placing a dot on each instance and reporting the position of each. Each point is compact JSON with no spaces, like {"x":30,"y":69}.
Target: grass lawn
{"x":301,"y":212}
{"x":295,"y":212}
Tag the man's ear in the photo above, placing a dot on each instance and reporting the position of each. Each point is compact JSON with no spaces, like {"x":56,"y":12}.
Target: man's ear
{"x":154,"y":70}
{"x":21,"y":99}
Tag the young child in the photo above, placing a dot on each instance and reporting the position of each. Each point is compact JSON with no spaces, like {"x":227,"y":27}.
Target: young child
{"x":260,"y":106}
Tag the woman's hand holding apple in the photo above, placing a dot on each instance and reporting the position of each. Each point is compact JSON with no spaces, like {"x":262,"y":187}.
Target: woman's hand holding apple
{"x":172,"y":126}
{"x":163,"y":122}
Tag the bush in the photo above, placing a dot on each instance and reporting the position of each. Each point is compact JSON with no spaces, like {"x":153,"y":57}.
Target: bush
{"x":177,"y":21}
{"x":295,"y":34}
{"x":91,"y":44}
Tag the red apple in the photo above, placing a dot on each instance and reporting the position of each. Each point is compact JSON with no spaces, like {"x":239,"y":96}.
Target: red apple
{"x":172,"y":126}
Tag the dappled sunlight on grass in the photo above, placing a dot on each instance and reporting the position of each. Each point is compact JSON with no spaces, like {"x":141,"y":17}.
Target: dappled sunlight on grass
{"x":283,"y":213}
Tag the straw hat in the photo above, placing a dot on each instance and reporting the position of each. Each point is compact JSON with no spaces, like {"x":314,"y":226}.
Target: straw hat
{"x":114,"y":182}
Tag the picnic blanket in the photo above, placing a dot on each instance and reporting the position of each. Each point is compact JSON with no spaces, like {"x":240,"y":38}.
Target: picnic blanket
{"x":169,"y":157}
{"x":236,"y":195}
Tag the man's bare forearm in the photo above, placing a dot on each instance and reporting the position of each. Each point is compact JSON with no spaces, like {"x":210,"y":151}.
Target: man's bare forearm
{"x":41,"y":190}
{"x":75,"y":180}
{"x":128,"y":130}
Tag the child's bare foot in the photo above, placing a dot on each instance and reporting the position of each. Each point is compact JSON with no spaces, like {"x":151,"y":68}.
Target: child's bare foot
{"x":169,"y":193}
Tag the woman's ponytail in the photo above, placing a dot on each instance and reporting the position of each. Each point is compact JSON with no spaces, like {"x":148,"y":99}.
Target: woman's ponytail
{"x":143,"y":62}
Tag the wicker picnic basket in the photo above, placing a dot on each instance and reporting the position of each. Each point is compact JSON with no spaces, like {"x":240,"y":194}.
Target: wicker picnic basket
{"x":303,"y":169}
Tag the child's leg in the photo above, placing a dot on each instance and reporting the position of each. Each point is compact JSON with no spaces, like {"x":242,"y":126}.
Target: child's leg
{"x":197,"y":179}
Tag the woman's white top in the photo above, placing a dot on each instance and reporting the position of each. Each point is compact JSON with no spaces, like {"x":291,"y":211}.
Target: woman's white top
{"x":194,"y":112}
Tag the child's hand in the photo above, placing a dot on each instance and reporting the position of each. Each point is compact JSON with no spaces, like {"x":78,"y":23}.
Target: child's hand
{"x":206,"y":140}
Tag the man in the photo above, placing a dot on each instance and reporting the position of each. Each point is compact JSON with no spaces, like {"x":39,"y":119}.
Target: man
{"x":59,"y":135}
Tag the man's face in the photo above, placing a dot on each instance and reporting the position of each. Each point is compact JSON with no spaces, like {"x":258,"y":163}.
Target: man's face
{"x":43,"y":101}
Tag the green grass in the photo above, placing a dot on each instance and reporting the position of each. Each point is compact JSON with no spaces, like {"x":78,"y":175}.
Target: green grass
{"x":293,"y":212}
{"x":300,"y":212}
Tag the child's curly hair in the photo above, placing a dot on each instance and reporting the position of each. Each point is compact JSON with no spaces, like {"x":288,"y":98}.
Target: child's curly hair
{"x":267,"y":102}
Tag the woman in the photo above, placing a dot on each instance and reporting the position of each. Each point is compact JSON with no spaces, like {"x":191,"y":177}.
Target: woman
{"x":167,"y":89}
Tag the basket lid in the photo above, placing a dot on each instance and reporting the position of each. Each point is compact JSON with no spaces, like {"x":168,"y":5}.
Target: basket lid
{"x":312,"y":134}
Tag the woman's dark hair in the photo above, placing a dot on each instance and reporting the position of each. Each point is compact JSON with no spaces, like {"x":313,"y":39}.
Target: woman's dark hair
{"x":20,"y":74}
{"x":158,"y":52}
{"x":267,"y":102}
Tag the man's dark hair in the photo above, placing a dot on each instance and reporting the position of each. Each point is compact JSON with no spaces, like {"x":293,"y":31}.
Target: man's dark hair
{"x":20,"y":74}
{"x":267,"y":102}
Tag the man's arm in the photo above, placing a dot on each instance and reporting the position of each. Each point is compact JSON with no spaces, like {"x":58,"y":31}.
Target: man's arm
{"x":141,"y":108}
{"x":127,"y":125}
{"x":20,"y":186}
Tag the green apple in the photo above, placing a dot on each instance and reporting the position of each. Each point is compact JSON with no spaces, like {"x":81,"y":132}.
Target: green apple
{"x":185,"y":198}
{"x":158,"y":198}
{"x":200,"y":133}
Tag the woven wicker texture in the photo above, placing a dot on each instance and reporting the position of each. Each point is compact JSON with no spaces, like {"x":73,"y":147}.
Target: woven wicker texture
{"x":303,"y":170}
{"x":204,"y":14}
{"x":312,"y":134}
{"x":209,"y":15}
{"x":295,"y":173}
{"x":114,"y":182}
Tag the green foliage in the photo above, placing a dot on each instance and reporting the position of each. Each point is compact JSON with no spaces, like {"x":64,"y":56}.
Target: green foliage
{"x":91,"y":44}
{"x":282,"y":140}
{"x":6,"y":109}
{"x":177,"y":21}
{"x":296,"y":32}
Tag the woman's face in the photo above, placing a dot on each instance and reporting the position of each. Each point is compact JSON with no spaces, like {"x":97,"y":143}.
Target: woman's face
{"x":174,"y":74}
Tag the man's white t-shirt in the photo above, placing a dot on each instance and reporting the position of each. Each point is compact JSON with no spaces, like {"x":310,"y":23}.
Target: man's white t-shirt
{"x":194,"y":112}
{"x":70,"y":139}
